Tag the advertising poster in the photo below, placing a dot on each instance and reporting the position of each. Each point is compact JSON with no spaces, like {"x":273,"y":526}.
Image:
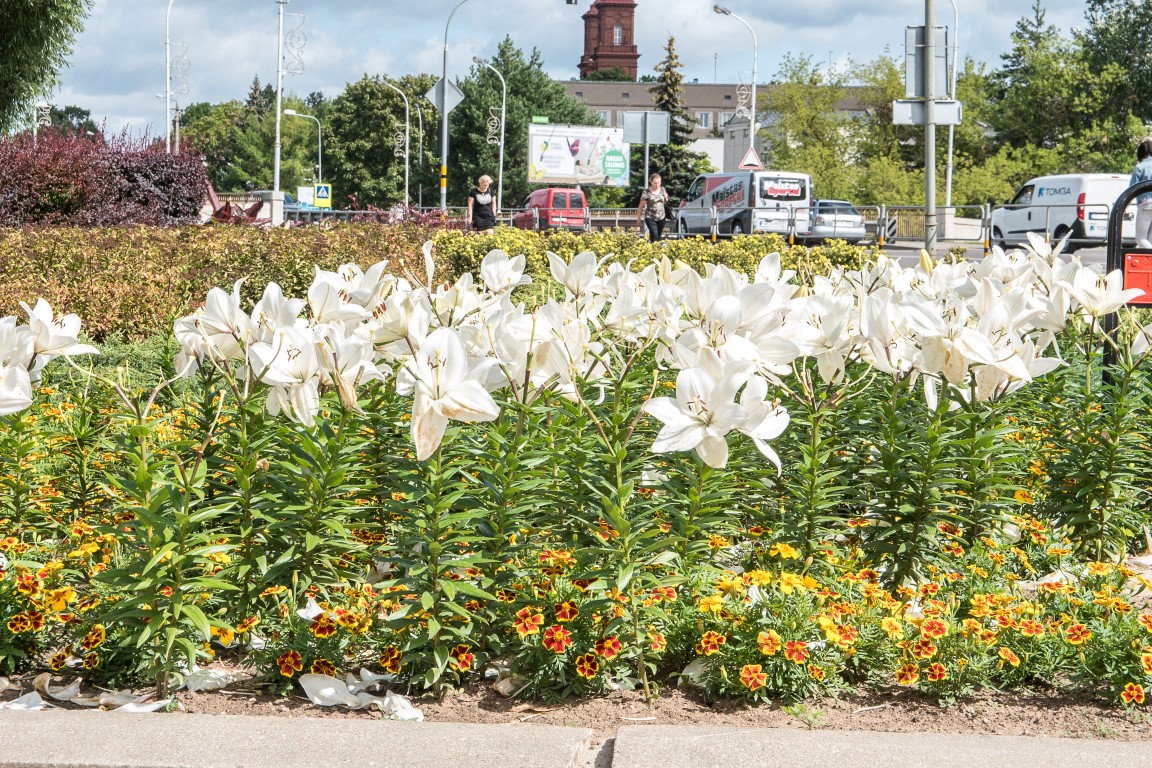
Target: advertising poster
{"x":577,"y":154}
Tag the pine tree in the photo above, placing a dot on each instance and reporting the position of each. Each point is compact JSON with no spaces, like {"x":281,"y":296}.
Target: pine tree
{"x":677,"y":165}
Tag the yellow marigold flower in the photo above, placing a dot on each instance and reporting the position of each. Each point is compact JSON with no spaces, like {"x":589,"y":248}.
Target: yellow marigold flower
{"x":1023,"y":497}
{"x":757,"y":578}
{"x":907,"y":674}
{"x":710,"y":604}
{"x":1099,"y":569}
{"x":893,"y":628}
{"x":784,"y":551}
{"x":1008,"y":655}
{"x":769,"y":642}
{"x":1133,"y":693}
{"x":787,"y":582}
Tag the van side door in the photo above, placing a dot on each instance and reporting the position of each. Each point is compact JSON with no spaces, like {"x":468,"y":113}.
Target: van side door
{"x":692,"y":213}
{"x":1018,"y":216}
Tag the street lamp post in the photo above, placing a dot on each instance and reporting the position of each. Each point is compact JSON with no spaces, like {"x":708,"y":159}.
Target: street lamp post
{"x":952,"y":95}
{"x":420,"y":152}
{"x":407,"y":137}
{"x":319,"y":143}
{"x":444,"y":115}
{"x":279,"y":85}
{"x":168,"y":79}
{"x":503,"y":120}
{"x":752,"y":113}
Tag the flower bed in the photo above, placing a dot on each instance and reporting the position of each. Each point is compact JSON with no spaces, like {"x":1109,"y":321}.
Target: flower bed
{"x":774,"y":489}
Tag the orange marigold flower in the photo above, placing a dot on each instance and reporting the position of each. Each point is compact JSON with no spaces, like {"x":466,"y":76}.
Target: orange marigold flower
{"x":848,"y":635}
{"x":1133,"y":693}
{"x":608,"y":647}
{"x":566,"y":611}
{"x":1099,"y":569}
{"x":924,"y":648}
{"x":663,"y":593}
{"x":658,"y":643}
{"x":1077,"y":634}
{"x":273,"y":590}
{"x":290,"y":663}
{"x":929,"y":589}
{"x":796,"y":651}
{"x":461,"y":657}
{"x":528,"y":622}
{"x":770,"y":642}
{"x":1031,"y":628}
{"x":323,"y":667}
{"x":556,"y":639}
{"x":1145,"y":620}
{"x":1008,"y":655}
{"x":323,"y":626}
{"x":936,"y":672}
{"x":934,"y":628}
{"x":892,"y":628}
{"x":587,"y":665}
{"x":390,"y":659}
{"x":752,"y":678}
{"x":710,"y":643}
{"x":907,"y":674}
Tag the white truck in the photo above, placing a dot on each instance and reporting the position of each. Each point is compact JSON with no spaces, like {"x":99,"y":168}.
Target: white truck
{"x":747,"y":201}
{"x":1058,"y":205}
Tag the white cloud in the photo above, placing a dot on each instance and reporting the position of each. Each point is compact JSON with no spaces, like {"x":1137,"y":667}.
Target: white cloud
{"x":118,"y":66}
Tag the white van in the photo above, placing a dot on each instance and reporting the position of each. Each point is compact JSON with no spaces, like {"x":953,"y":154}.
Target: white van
{"x":1057,"y":205}
{"x":747,"y":201}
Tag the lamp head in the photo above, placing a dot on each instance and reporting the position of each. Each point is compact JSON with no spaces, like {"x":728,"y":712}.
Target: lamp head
{"x":290,"y":112}
{"x":478,"y":60}
{"x":722,"y":10}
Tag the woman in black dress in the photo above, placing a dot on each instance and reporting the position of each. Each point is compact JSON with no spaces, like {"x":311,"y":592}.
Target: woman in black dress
{"x":482,"y":206}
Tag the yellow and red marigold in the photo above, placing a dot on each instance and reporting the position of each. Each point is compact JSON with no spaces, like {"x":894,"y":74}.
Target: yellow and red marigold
{"x":752,"y":678}
{"x":769,"y":642}
{"x":608,"y":647}
{"x":1145,"y":620}
{"x":936,"y":672}
{"x":1077,"y":634}
{"x":323,"y":626}
{"x":247,"y":624}
{"x":1031,"y":628}
{"x":556,"y":639}
{"x":323,"y":667}
{"x":565,"y":612}
{"x":907,"y":674}
{"x":94,"y":638}
{"x":710,"y":643}
{"x":92,"y":660}
{"x":816,"y":673}
{"x":923,"y":648}
{"x":390,"y":659}
{"x":934,"y":628}
{"x":1146,"y":660}
{"x":461,"y":657}
{"x":290,"y":663}
{"x":528,"y":622}
{"x":1133,"y":693}
{"x":587,"y":665}
{"x":796,"y":651}
{"x":657,"y":642}
{"x":1008,"y":655}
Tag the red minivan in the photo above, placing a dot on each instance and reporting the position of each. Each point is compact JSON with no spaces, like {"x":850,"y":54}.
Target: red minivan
{"x":552,"y":208}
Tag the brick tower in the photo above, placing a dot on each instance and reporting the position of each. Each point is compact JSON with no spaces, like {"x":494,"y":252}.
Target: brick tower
{"x":609,"y":38}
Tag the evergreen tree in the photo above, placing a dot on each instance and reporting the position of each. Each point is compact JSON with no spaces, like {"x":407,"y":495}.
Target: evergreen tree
{"x":677,"y":165}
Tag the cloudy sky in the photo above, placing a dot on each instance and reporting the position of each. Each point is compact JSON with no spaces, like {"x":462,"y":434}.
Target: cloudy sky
{"x":118,"y":65}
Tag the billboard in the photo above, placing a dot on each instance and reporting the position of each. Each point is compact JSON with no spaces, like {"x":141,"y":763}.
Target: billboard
{"x":577,"y":154}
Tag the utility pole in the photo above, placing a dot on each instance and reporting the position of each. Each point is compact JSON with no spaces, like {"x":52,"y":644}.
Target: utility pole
{"x":930,"y":127}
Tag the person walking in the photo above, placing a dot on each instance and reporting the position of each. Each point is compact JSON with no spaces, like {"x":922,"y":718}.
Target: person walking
{"x":652,"y":211}
{"x":1143,"y":172}
{"x":482,"y":207}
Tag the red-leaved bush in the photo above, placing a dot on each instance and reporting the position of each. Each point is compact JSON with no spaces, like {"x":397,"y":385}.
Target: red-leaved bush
{"x":67,"y":178}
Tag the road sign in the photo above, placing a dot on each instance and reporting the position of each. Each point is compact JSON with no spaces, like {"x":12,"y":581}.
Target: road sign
{"x":323,"y":195}
{"x":649,"y":127}
{"x":888,"y":227}
{"x":905,"y":112}
{"x":914,"y":44}
{"x":436,"y":95}
{"x":540,"y":119}
{"x":751,"y":161}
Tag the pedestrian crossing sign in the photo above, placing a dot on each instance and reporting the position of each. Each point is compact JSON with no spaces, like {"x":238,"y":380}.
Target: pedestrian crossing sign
{"x":323,"y":196}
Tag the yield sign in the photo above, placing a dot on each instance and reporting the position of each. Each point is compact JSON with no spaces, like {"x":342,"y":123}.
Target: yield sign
{"x":751,"y":161}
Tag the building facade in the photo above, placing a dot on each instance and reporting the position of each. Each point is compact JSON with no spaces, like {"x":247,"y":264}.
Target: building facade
{"x":609,"y":38}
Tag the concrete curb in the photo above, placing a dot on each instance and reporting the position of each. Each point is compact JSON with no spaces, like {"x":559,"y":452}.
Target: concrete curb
{"x":662,"y":746}
{"x":88,"y":739}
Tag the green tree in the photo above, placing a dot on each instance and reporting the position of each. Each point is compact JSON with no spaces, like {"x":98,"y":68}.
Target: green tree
{"x":530,"y":92}
{"x":36,"y":37}
{"x":614,"y":74}
{"x":73,"y":118}
{"x":360,"y":144}
{"x":677,"y":165}
{"x":1119,"y":34}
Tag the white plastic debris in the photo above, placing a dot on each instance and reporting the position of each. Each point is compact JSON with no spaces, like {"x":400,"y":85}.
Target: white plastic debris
{"x":368,"y":680}
{"x":311,"y":610}
{"x":209,"y":679}
{"x":117,"y":701}
{"x":327,"y":691}
{"x":694,"y":671}
{"x":29,"y":702}
{"x":6,"y":685}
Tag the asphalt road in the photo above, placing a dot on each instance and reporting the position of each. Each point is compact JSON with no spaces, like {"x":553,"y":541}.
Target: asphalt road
{"x":908,"y":251}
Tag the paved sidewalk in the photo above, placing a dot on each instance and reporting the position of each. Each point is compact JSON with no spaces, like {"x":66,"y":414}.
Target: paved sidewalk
{"x":92,"y":739}
{"x":666,"y":746}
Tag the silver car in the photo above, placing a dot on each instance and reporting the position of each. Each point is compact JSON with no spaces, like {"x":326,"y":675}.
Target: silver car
{"x":837,"y":219}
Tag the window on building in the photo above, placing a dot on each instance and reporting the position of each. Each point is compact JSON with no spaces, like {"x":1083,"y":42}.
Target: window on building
{"x":605,"y":116}
{"x":617,"y":35}
{"x":579,"y":94}
{"x":625,"y":95}
{"x":725,"y":118}
{"x":704,"y":120}
{"x":727,"y":97}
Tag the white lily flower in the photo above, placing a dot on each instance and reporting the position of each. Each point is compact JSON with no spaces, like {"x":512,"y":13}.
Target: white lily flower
{"x":15,"y":389}
{"x":1101,"y":295}
{"x":330,"y":303}
{"x":446,"y":388}
{"x":766,"y":419}
{"x":290,"y":366}
{"x":274,"y":311}
{"x":54,"y":336}
{"x":501,"y":274}
{"x":577,"y":277}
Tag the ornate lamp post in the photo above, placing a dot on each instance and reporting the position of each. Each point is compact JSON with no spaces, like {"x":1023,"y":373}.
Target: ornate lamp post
{"x":752,"y":112}
{"x":503,"y":121}
{"x":319,"y":143}
{"x":407,"y":135}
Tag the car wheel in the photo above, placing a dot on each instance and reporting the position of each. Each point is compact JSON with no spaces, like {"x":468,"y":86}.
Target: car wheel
{"x":737,"y":228}
{"x":681,"y":230}
{"x":1069,"y":247}
{"x":998,"y":239}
